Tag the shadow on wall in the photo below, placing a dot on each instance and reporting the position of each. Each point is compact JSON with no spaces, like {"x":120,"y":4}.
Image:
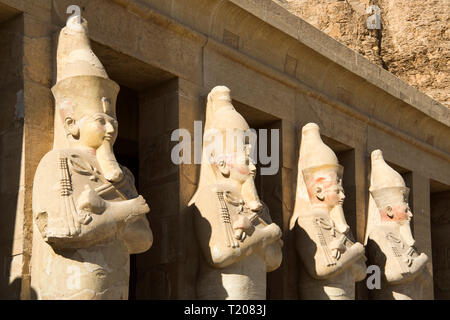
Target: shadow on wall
{"x":11,"y":136}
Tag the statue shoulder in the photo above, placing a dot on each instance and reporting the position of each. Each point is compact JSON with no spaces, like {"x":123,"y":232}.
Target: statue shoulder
{"x":208,"y":197}
{"x":378,"y":246}
{"x":127,"y":186}
{"x":378,"y":235}
{"x":48,"y":173}
{"x":128,"y":174}
{"x":54,"y":156}
{"x":47,"y":168}
{"x":50,"y":158}
{"x":265,"y":213}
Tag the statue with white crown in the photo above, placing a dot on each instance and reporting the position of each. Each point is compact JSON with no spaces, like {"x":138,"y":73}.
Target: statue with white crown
{"x":87,"y":215}
{"x":331,"y":262}
{"x":238,"y":241}
{"x":390,"y":243}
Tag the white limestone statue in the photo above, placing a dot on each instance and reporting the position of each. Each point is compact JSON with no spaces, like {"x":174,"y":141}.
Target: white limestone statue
{"x":88,"y":217}
{"x":390,"y":243}
{"x":331,"y":262}
{"x":238,"y":240}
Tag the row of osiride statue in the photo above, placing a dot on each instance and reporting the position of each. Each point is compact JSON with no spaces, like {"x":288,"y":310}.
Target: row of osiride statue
{"x":88,"y":217}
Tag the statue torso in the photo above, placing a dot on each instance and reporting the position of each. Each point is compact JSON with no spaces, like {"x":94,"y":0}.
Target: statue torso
{"x":398,"y":261}
{"x":219,"y":207}
{"x":324,"y":251}
{"x":96,"y":268}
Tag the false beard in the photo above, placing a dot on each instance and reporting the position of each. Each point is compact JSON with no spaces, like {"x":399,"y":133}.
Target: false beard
{"x":338,"y":217}
{"x":108,"y":163}
{"x":250,"y":195}
{"x":406,"y":234}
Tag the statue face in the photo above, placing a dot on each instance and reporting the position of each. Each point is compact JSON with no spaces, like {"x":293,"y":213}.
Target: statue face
{"x":327,"y":189}
{"x":241,"y":168}
{"x":98,"y":132}
{"x":334,"y":194}
{"x":237,"y":166}
{"x":401,"y":215}
{"x":398,"y":212}
{"x":96,"y":129}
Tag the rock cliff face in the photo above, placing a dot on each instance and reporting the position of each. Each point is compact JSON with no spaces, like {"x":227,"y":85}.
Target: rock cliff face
{"x":413,"y":43}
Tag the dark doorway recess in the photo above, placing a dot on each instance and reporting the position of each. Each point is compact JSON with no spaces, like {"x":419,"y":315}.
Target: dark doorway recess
{"x":440,"y":238}
{"x":136,"y":79}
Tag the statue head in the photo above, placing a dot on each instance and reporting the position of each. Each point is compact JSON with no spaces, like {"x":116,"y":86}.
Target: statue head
{"x":227,"y":144}
{"x":321,"y":170}
{"x":390,"y":193}
{"x":86,"y":98}
{"x":319,"y":182}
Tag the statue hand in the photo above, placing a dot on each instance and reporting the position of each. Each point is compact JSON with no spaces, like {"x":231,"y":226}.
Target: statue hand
{"x":127,"y":211}
{"x":241,"y":224}
{"x":339,"y":244}
{"x":89,"y":200}
{"x":139,"y":207}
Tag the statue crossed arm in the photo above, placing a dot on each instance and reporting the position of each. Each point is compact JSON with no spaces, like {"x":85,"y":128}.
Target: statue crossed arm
{"x":221,"y":244}
{"x":81,"y":216}
{"x":88,"y":216}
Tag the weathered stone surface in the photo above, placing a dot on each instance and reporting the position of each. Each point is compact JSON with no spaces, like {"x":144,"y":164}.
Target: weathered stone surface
{"x":281,"y":67}
{"x":412,"y":44}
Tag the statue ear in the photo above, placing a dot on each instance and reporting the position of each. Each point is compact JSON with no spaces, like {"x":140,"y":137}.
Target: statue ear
{"x":71,"y":127}
{"x":389,"y":212}
{"x":319,"y":193}
{"x":222,"y":166}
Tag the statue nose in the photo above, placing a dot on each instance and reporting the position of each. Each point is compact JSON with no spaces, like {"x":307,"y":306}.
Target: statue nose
{"x":109,"y":127}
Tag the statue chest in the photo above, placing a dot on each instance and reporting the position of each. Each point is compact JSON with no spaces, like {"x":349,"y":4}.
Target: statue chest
{"x":78,"y":171}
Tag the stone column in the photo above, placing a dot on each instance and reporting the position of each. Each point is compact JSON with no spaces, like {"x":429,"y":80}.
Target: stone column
{"x":39,"y":115}
{"x":422,"y":223}
{"x":158,"y":182}
{"x":361,"y":163}
{"x":11,"y":146}
{"x":287,"y":274}
{"x":168,"y":271}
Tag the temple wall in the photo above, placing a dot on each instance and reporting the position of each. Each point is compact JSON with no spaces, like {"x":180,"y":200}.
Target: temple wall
{"x":11,"y":137}
{"x":284,"y":74}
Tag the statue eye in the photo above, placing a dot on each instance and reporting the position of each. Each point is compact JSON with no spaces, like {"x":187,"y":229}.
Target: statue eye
{"x":100,"y":120}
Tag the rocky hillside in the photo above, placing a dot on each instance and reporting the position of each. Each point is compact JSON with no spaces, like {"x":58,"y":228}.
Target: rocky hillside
{"x":413,"y":43}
